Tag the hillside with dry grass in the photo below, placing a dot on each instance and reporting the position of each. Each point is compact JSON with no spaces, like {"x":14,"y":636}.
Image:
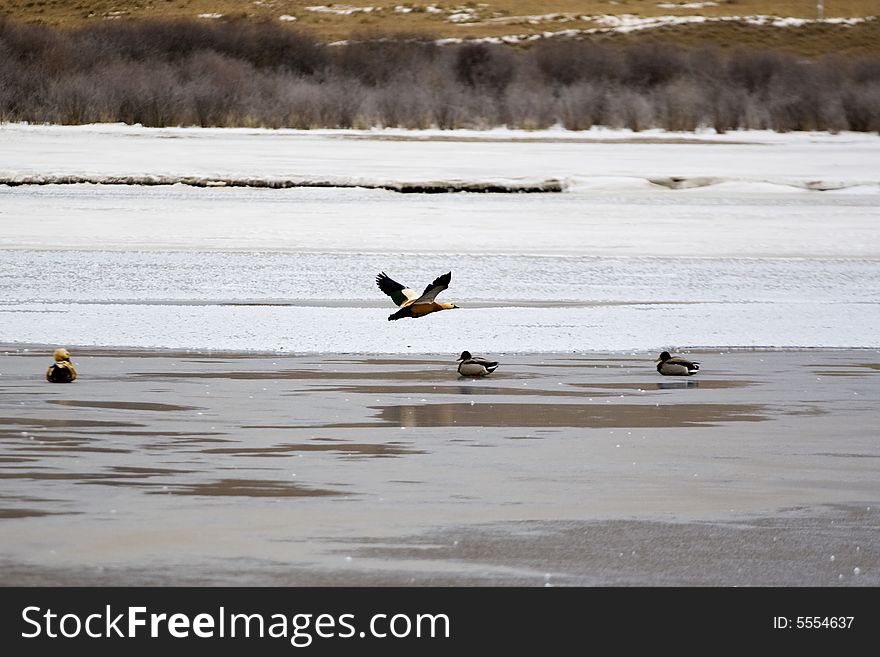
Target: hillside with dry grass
{"x":761,"y":24}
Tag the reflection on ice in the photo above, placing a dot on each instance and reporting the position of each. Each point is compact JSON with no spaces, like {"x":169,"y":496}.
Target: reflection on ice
{"x":561,"y":415}
{"x":677,"y":385}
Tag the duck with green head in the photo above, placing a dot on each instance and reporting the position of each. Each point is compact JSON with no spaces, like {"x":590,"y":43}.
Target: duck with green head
{"x":670,"y":365}
{"x":475,"y":365}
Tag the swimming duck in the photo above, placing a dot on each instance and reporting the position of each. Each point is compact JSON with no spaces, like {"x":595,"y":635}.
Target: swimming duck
{"x":475,"y":365}
{"x":61,"y":371}
{"x":412,"y":305}
{"x":675,"y":365}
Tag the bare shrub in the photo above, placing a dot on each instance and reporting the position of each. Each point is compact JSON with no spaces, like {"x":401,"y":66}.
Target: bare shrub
{"x":216,"y":86}
{"x":866,"y":71}
{"x":705,"y":66}
{"x":383,"y":59}
{"x":401,"y":106}
{"x":262,"y":44}
{"x":340,"y":104}
{"x":561,"y":62}
{"x":756,"y":113}
{"x":727,"y":109}
{"x":483,"y":66}
{"x":629,"y":109}
{"x":268,"y":45}
{"x":755,"y":71}
{"x":681,"y":106}
{"x":800,"y":99}
{"x":68,"y":101}
{"x":242,"y":73}
{"x":861,"y":108}
{"x":652,"y":64}
{"x":153,"y":96}
{"x":530,"y":109}
{"x":447,"y":102}
{"x":10,"y":82}
{"x":569,"y":62}
{"x":582,"y":106}
{"x":300,"y":100}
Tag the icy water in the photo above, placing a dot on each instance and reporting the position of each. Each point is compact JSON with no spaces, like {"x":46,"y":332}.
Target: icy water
{"x":294,"y":270}
{"x":246,"y":415}
{"x":193,"y":468}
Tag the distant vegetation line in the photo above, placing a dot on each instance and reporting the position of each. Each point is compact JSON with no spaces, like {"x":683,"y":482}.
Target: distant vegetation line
{"x":182,"y":73}
{"x":422,"y":187}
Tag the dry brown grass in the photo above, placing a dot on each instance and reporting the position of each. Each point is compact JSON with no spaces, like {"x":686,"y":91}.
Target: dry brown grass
{"x":491,"y":18}
{"x":810,"y":40}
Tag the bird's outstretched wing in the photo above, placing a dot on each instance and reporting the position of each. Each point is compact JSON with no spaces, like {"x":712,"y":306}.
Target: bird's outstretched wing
{"x":399,"y":294}
{"x":435,"y":288}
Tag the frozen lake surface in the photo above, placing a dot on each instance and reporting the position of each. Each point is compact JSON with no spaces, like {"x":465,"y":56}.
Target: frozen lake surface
{"x":159,"y":468}
{"x":315,"y":459}
{"x":656,"y":241}
{"x":327,"y":302}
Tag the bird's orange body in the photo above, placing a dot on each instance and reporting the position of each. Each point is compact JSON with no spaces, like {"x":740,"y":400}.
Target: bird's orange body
{"x":412,"y":305}
{"x":62,"y":370}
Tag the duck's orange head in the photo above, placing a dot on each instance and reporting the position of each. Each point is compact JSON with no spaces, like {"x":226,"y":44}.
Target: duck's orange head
{"x":61,"y":354}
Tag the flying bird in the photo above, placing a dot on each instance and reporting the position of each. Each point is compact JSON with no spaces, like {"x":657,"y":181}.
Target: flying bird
{"x":411,"y":304}
{"x":61,"y":371}
{"x":475,"y":365}
{"x":675,"y":365}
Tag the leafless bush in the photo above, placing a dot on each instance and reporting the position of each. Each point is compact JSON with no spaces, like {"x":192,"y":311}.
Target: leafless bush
{"x":755,"y":71}
{"x":800,"y":100}
{"x":727,"y":109}
{"x":629,"y":109}
{"x":262,"y":44}
{"x":380,"y":60}
{"x":866,"y":71}
{"x":705,"y":65}
{"x":560,"y":62}
{"x":681,"y":106}
{"x":568,"y":62}
{"x":299,"y":102}
{"x":861,"y":108}
{"x":401,"y":106}
{"x":447,"y":101}
{"x":529,"y":108}
{"x":652,"y":64}
{"x":238,"y":73}
{"x":582,"y":106}
{"x":482,"y":66}
{"x":340,"y":104}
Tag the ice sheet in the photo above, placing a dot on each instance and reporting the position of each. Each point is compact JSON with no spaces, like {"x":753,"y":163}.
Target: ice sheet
{"x":658,"y":241}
